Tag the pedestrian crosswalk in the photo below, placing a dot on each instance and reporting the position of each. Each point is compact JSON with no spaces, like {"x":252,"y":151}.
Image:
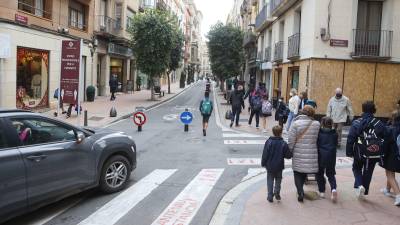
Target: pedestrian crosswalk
{"x":239,"y":138}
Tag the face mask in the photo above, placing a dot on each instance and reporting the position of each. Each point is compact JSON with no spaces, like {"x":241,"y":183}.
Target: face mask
{"x":339,"y":95}
{"x":291,"y":95}
{"x":280,"y":100}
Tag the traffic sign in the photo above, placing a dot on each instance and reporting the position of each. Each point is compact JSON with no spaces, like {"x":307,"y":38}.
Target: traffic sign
{"x":139,"y":118}
{"x":186,"y":117}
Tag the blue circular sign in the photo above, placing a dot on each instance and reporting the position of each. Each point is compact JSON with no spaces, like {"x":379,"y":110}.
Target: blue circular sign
{"x":186,"y":117}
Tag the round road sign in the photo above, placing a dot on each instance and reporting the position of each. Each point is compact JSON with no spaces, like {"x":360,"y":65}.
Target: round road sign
{"x":139,"y":118}
{"x":186,"y":117}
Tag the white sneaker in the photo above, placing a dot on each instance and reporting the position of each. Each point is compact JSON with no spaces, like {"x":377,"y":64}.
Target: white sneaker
{"x":322,"y":195}
{"x":397,"y":201}
{"x":334,"y":195}
{"x":360,"y":191}
{"x":264,"y":131}
{"x":387,"y":192}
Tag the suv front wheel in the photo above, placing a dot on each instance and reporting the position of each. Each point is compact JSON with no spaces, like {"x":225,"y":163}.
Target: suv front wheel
{"x":115,"y":174}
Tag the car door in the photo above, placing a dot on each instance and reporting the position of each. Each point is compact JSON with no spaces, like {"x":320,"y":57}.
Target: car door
{"x":56,"y":164}
{"x":13,"y":198}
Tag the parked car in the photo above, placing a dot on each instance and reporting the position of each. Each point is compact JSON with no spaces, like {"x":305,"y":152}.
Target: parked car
{"x":43,"y":160}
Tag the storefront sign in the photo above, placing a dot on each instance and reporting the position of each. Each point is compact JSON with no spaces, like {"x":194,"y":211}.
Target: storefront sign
{"x":339,"y":43}
{"x":70,"y":68}
{"x":5,"y":46}
{"x":266,"y":66}
{"x":21,"y":19}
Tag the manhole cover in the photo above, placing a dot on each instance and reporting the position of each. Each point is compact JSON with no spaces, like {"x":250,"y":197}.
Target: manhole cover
{"x":96,"y":118}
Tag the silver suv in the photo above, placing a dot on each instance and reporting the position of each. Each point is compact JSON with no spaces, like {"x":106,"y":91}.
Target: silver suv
{"x":44,"y":160}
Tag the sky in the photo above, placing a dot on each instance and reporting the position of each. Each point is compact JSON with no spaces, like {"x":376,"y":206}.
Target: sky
{"x":213,"y":10}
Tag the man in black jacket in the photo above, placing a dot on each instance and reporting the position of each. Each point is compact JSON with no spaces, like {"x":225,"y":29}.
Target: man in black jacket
{"x":113,"y":86}
{"x":363,"y":167}
{"x":237,"y":104}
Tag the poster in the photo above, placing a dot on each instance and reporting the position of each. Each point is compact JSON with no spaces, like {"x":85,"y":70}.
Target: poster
{"x":70,"y":68}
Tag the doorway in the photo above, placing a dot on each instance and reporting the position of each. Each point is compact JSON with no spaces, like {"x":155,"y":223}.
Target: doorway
{"x":293,"y":80}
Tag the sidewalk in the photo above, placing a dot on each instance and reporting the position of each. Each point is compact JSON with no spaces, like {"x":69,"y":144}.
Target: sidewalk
{"x":374,"y":209}
{"x":125,"y":104}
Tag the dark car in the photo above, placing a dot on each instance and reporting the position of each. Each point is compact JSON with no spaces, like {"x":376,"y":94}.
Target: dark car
{"x":44,"y":160}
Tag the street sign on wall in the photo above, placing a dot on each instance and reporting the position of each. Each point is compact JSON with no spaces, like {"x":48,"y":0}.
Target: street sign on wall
{"x":70,"y":68}
{"x":339,"y":43}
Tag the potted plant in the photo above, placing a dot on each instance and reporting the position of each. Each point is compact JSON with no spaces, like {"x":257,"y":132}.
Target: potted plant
{"x":90,"y":93}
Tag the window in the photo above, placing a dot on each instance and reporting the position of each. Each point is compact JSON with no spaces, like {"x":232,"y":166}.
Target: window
{"x":77,"y":15}
{"x":38,"y":131}
{"x":3,"y":140}
{"x":129,"y":18}
{"x":41,"y":8}
{"x":118,"y":15}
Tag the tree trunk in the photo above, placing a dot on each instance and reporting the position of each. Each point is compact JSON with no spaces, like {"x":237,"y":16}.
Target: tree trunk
{"x":222,"y":85}
{"x":169,"y":83}
{"x":151,"y":82}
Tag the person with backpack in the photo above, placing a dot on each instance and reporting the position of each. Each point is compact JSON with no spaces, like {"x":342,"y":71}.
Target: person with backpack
{"x":256,"y":105}
{"x":282,"y":112}
{"x":266,"y":111}
{"x":327,"y":141}
{"x":237,"y":102}
{"x":206,"y":108}
{"x":365,"y":143}
{"x":391,"y":161}
{"x":248,"y":95}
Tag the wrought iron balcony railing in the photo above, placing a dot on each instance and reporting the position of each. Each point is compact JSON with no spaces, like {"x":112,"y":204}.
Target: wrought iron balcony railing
{"x":278,"y":53}
{"x":108,"y":25}
{"x":267,"y":53}
{"x":294,"y":46}
{"x":372,"y":43}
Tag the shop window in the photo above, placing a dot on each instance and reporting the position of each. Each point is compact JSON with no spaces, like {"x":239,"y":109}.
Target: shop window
{"x":32,"y":79}
{"x":77,"y":15}
{"x":41,"y":8}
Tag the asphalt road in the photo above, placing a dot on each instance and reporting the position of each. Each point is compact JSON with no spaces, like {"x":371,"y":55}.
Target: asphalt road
{"x":181,"y":176}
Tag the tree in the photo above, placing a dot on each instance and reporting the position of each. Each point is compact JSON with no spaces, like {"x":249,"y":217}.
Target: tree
{"x":152,"y":42}
{"x":225,"y":51}
{"x":176,"y":53}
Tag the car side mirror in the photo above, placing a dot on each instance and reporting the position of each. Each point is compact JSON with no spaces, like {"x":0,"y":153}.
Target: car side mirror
{"x":80,"y":136}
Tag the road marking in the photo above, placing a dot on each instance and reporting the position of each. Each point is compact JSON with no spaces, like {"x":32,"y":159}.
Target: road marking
{"x":340,"y":161}
{"x":185,"y":206}
{"x":170,"y":117}
{"x":244,"y":142}
{"x":115,"y":209}
{"x":235,"y":135}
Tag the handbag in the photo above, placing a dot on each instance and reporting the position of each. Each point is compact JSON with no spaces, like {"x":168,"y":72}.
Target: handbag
{"x":228,"y":115}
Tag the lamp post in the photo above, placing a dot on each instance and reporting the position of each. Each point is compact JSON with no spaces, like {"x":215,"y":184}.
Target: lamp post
{"x":93,"y":46}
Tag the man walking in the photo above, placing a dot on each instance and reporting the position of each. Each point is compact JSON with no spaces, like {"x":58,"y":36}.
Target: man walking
{"x":206,"y":108}
{"x":237,"y":102}
{"x":339,"y":108}
{"x":113,"y":86}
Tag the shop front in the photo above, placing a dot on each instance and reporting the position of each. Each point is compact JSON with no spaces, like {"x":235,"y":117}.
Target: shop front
{"x":117,"y":69}
{"x":32,"y":86}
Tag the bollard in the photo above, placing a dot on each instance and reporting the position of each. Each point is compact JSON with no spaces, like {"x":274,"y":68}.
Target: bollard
{"x":85,"y":118}
{"x":113,"y":112}
{"x":139,"y":128}
{"x":186,"y":128}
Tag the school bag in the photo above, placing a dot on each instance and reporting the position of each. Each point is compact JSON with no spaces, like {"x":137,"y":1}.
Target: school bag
{"x":206,"y":107}
{"x":257,"y":102}
{"x":266,"y":108}
{"x":371,"y":146}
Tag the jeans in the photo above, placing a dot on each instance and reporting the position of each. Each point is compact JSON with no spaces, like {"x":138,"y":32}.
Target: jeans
{"x":363,"y":172}
{"x":272,"y":177}
{"x":339,"y":127}
{"x":257,"y":113}
{"x":236,"y":114}
{"x":299,"y":180}
{"x":289,"y":120}
{"x":330,"y":173}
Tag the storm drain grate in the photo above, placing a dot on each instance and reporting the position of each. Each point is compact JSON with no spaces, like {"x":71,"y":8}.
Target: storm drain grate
{"x":96,"y":118}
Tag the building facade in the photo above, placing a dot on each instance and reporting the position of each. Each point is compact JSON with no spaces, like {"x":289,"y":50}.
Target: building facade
{"x":205,"y":68}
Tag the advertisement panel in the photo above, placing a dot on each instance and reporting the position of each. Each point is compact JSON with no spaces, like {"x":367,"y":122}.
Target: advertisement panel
{"x":70,"y":68}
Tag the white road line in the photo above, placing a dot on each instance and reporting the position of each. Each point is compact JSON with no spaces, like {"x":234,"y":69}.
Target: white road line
{"x":185,"y":206}
{"x":236,"y":135}
{"x":340,"y":161}
{"x":244,"y":142}
{"x":115,"y":209}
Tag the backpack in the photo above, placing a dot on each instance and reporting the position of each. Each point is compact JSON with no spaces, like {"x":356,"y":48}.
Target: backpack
{"x":257,"y":102}
{"x":371,"y":146}
{"x":266,"y":108}
{"x":55,"y":94}
{"x":206,"y":107}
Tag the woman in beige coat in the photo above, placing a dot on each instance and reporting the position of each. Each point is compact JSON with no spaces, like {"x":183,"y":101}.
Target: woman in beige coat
{"x":302,"y":142}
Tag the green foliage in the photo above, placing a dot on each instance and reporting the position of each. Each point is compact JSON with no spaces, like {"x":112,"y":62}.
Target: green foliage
{"x":178,"y":42}
{"x":225,"y":50}
{"x":190,"y":71}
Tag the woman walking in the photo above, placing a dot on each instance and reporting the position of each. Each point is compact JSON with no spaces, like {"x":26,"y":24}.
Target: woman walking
{"x":294,"y":104}
{"x":303,"y":136}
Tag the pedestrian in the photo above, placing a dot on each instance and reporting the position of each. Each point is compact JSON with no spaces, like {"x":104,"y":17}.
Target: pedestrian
{"x":275,"y":151}
{"x":206,"y":108}
{"x":256,"y":105}
{"x":339,"y":109}
{"x":57,"y":95}
{"x":237,"y":102}
{"x":248,"y":94}
{"x":391,"y":161}
{"x":294,"y":103}
{"x":365,"y":143}
{"x":327,"y":142}
{"x":266,"y":111}
{"x":113,"y":86}
{"x":282,"y":112}
{"x":302,"y":141}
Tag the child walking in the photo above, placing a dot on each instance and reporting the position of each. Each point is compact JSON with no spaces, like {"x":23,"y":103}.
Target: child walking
{"x":275,"y":150}
{"x":327,"y":142}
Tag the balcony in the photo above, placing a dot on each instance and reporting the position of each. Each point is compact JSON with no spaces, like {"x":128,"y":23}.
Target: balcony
{"x":259,"y":56}
{"x":294,"y":47}
{"x":249,"y":38}
{"x":119,"y":50}
{"x":37,"y":11}
{"x":278,"y":7}
{"x":372,"y":44}
{"x":278,"y":53}
{"x":252,"y":55}
{"x":267,"y":54}
{"x":108,"y":25}
{"x":263,"y":19}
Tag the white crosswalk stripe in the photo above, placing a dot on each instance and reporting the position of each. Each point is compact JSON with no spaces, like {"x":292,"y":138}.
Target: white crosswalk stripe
{"x":244,"y":142}
{"x":115,"y":209}
{"x":185,"y":206}
{"x":340,"y":161}
{"x":240,"y":135}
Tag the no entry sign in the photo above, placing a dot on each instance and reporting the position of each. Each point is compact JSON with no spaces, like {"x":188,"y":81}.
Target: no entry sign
{"x":139,"y":118}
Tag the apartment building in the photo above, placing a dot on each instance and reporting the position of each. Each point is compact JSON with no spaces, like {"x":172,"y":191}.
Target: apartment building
{"x":32,"y":33}
{"x":205,"y":67}
{"x":319,"y":45}
{"x":234,"y":17}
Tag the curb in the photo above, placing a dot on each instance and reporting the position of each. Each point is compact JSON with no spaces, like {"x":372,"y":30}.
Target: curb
{"x":151,"y":106}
